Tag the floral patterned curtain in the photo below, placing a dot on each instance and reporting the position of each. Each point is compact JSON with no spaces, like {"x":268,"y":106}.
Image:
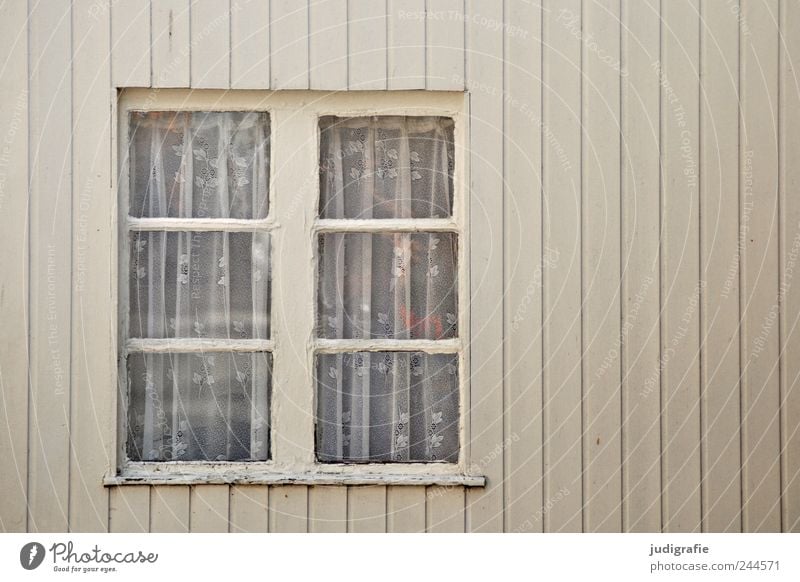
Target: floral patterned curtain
{"x":199,"y":406}
{"x":387,"y":406}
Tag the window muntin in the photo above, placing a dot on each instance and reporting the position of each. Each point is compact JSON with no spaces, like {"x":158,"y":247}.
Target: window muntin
{"x":196,"y":336}
{"x":398,"y":284}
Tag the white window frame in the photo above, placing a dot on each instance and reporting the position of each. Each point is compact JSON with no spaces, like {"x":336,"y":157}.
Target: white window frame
{"x":294,"y":226}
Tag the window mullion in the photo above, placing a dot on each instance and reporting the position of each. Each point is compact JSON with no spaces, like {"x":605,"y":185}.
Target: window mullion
{"x":295,"y":188}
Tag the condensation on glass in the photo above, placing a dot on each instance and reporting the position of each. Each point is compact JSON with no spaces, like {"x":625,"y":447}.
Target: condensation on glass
{"x":388,"y":406}
{"x":198,"y":285}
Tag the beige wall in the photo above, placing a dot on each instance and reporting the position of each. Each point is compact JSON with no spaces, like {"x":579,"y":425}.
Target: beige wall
{"x":661,"y":242}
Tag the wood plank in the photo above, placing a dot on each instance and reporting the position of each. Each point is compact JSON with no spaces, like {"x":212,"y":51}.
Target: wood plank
{"x":210,"y":45}
{"x":524,"y":267}
{"x":758,"y":164}
{"x":14,"y":266}
{"x":209,"y":507}
{"x":327,"y":509}
{"x":92,"y":417}
{"x":445,"y":510}
{"x":790,"y":247}
{"x":50,"y":263}
{"x":130,"y":41}
{"x":171,"y":43}
{"x":249,"y":508}
{"x":250,"y":45}
{"x":366,"y":45}
{"x":719,"y":212}
{"x":562,"y":391}
{"x":405,"y":509}
{"x":485,"y":511}
{"x":328,"y":44}
{"x":639,"y":353}
{"x":602,"y":486}
{"x":129,"y":509}
{"x":288,"y":509}
{"x":406,"y":44}
{"x":169,"y":509}
{"x":445,"y":52}
{"x":681,"y":287}
{"x":289,"y":44}
{"x":366,"y":509}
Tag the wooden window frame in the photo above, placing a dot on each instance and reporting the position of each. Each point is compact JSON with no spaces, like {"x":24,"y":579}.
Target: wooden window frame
{"x":293,"y":224}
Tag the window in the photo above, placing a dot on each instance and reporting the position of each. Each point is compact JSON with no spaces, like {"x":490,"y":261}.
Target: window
{"x":198,"y":367}
{"x":292,"y":279}
{"x":379,"y":282}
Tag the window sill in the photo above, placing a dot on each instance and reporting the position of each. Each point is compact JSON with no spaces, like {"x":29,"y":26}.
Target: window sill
{"x":215,"y":475}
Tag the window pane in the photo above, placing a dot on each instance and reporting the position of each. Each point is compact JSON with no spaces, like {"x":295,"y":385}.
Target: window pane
{"x":395,"y":286}
{"x":199,"y":164}
{"x":387,"y":406}
{"x":199,"y":284}
{"x":199,"y":407}
{"x":386,"y":167}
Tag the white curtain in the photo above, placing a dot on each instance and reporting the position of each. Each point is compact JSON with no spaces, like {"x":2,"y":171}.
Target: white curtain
{"x":199,"y":406}
{"x":387,"y":406}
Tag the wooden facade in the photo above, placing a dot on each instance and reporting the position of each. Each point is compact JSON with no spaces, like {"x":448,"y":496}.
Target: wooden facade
{"x":635,"y":351}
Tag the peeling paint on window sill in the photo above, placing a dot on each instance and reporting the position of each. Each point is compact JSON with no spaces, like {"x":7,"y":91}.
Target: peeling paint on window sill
{"x":247,"y":476}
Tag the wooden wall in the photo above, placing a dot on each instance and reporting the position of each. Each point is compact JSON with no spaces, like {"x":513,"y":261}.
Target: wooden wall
{"x":634,"y":165}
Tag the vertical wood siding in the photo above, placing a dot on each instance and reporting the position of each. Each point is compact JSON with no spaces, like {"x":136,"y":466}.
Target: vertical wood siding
{"x":639,"y":350}
{"x":601,"y":270}
{"x":522,"y":390}
{"x":632,"y":167}
{"x":760,"y":293}
{"x":562,"y":397}
{"x":93,"y":204}
{"x":14,"y":283}
{"x":51,"y":284}
{"x":789,"y":113}
{"x":720,"y":391}
{"x":484,"y":511}
{"x":681,"y":284}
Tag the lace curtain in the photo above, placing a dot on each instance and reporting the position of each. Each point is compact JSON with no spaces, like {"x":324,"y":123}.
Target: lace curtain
{"x":371,"y":406}
{"x":199,"y":406}
{"x":387,"y":406}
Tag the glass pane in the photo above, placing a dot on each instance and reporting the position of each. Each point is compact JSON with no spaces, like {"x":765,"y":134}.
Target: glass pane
{"x":200,"y":164}
{"x":394,"y":286}
{"x":199,"y":407}
{"x":199,"y":284}
{"x":388,"y":407}
{"x":386,"y":167}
